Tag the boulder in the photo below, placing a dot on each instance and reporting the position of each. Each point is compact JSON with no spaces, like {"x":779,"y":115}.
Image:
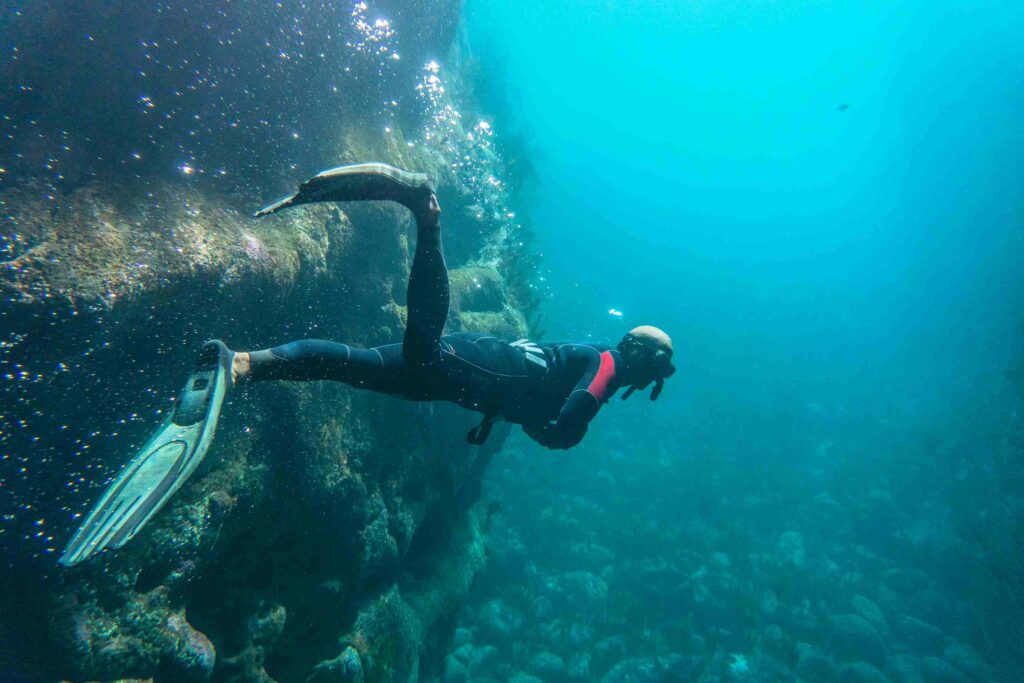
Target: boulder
{"x":905,"y":580}
{"x":860,"y":672}
{"x":931,"y":606}
{"x":812,"y":664}
{"x":608,"y":651}
{"x":498,"y":620}
{"x":918,"y":636}
{"x":579,"y":666}
{"x":871,"y":612}
{"x":904,"y":669}
{"x":345,"y":668}
{"x":483,"y":659}
{"x":455,"y":671}
{"x":524,"y":678}
{"x":586,"y":592}
{"x":790,"y":548}
{"x":463,"y":636}
{"x":464,"y":653}
{"x":935,"y":670}
{"x":634,"y":670}
{"x":851,"y":638}
{"x":547,"y":665}
{"x":966,"y":660}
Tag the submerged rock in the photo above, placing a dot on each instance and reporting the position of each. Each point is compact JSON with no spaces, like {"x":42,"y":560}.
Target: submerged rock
{"x":463,"y":636}
{"x":345,"y":668}
{"x":966,"y":660}
{"x":904,"y":669}
{"x":812,"y":664}
{"x":790,"y":548}
{"x":579,"y":666}
{"x":482,"y":659}
{"x":851,"y":638}
{"x":498,"y":620}
{"x":871,"y":612}
{"x":919,"y":637}
{"x":609,"y":650}
{"x":905,"y":580}
{"x":547,"y":665}
{"x":861,"y":672}
{"x":583,"y":590}
{"x":910,"y":669}
{"x":524,"y":678}
{"x":634,"y":670}
{"x":936,"y":670}
{"x":455,"y":670}
{"x":193,"y":657}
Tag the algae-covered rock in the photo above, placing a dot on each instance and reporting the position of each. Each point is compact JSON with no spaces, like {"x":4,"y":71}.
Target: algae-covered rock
{"x":328,"y":535}
{"x":812,"y":664}
{"x":918,"y":636}
{"x":851,"y":637}
{"x":547,"y":665}
{"x":345,"y":668}
{"x":861,"y":672}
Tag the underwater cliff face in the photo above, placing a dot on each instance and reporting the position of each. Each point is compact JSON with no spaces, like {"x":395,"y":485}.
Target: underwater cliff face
{"x":327,"y":536}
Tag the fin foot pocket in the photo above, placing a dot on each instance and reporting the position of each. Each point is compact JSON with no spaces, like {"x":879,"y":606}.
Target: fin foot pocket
{"x":163,"y":464}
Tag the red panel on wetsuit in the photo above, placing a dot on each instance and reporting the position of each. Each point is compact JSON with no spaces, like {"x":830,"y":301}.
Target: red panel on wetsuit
{"x":605,"y":372}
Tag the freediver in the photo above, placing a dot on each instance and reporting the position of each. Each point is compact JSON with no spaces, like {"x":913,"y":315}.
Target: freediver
{"x":553,"y":390}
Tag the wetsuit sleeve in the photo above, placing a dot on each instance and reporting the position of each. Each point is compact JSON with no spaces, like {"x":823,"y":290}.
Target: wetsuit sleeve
{"x":591,"y":391}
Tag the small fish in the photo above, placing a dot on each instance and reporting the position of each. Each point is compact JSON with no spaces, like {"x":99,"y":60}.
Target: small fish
{"x":843,"y":107}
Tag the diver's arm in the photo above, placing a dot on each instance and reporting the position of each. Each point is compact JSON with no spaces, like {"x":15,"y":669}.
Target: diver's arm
{"x":592,"y":389}
{"x":571,"y":426}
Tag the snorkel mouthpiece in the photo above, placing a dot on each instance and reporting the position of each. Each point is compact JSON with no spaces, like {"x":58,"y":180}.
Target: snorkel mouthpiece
{"x":659,"y":384}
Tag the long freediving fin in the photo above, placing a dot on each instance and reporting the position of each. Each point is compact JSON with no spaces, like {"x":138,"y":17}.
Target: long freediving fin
{"x":370,"y":181}
{"x":162,"y":465}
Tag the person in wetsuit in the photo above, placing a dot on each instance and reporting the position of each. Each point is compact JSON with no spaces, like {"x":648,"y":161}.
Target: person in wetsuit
{"x":553,"y":390}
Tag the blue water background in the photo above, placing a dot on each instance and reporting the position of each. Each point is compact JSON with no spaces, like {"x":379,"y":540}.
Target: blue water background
{"x":691,"y":167}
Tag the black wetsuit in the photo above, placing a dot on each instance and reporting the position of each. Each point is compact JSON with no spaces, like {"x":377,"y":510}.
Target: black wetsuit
{"x":554,"y":389}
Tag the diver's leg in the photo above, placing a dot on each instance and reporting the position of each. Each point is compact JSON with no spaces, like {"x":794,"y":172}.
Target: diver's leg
{"x":316,"y":359}
{"x":428,"y":294}
{"x":428,"y":280}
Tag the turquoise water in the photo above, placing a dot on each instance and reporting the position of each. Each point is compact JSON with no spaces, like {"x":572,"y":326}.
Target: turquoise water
{"x":691,"y":168}
{"x":822,"y":203}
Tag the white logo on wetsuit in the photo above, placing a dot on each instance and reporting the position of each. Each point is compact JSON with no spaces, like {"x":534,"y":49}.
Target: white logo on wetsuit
{"x":531,"y":352}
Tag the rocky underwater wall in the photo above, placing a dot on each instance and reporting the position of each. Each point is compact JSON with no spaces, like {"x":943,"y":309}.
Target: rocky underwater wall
{"x":328,"y":535}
